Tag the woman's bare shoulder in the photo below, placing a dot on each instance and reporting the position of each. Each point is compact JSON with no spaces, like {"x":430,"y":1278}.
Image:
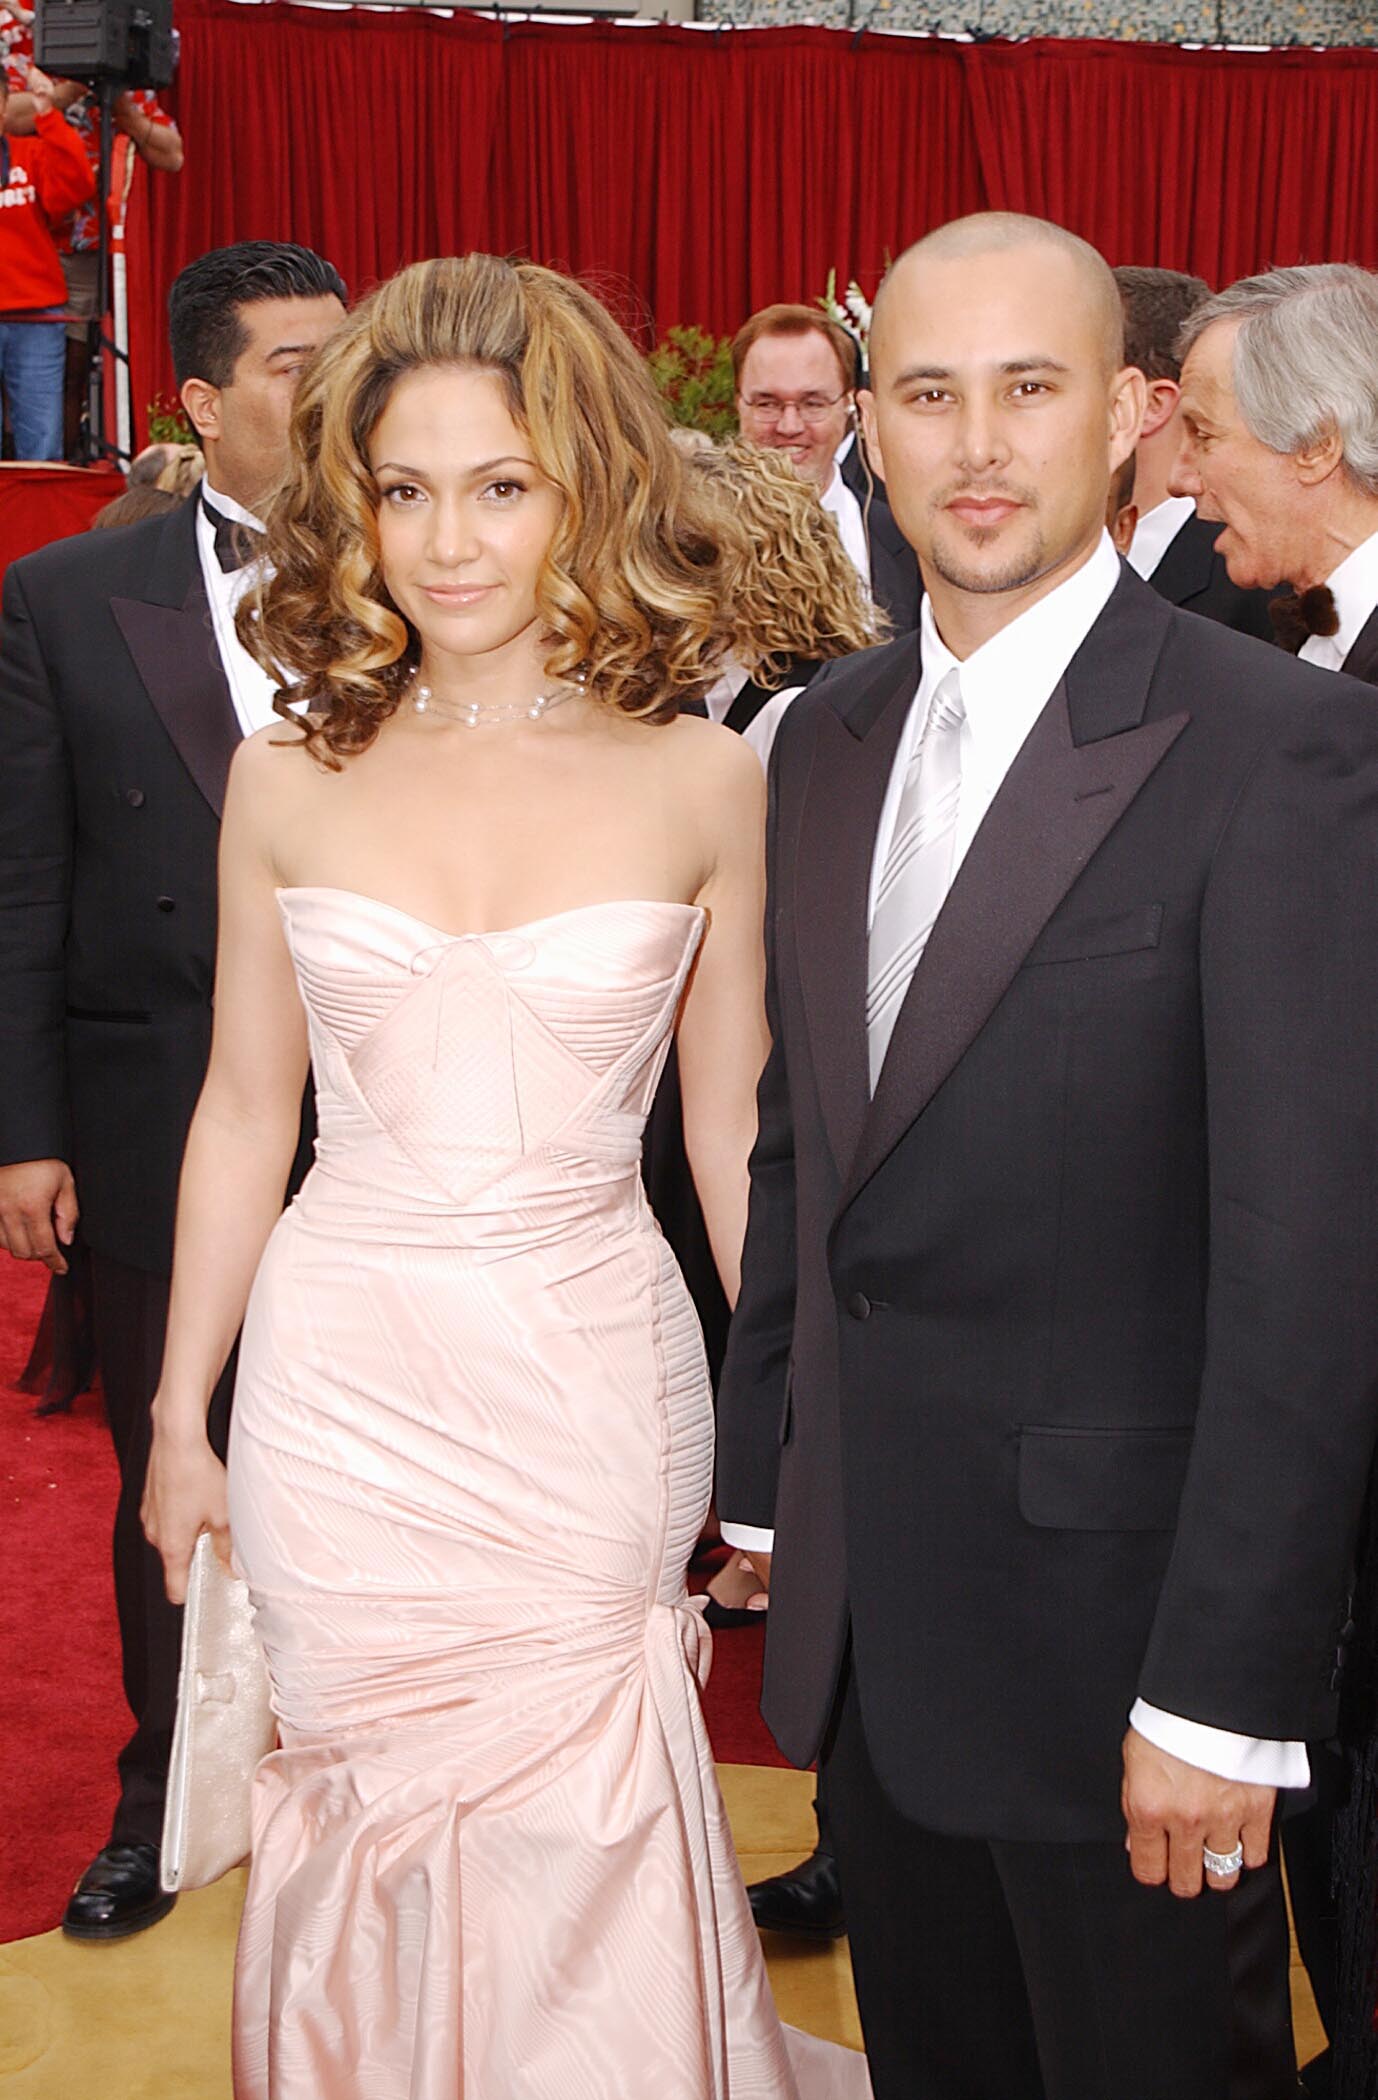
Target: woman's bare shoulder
{"x":717,"y":759}
{"x":277,"y":759}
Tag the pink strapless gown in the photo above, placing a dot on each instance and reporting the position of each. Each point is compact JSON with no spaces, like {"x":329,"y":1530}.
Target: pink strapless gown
{"x":471,"y":1453}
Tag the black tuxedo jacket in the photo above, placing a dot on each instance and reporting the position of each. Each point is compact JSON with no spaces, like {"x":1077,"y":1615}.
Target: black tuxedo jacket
{"x":1191,"y":574}
{"x":1056,"y":1363}
{"x":895,"y":584}
{"x":116,"y":735}
{"x":1362,"y":660}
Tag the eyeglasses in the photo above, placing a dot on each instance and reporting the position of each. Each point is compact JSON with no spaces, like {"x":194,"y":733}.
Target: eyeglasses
{"x":811,"y":408}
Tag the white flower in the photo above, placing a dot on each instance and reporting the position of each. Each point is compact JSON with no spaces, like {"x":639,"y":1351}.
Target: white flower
{"x":859,"y":307}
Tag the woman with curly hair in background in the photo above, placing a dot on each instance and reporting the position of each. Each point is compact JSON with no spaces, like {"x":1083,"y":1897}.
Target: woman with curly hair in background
{"x":482,"y":871}
{"x":794,"y":600}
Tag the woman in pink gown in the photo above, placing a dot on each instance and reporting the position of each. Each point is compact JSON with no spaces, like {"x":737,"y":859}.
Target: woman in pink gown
{"x":485,"y":874}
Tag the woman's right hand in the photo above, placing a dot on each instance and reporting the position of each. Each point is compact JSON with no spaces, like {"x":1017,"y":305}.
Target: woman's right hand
{"x":185,"y":1493}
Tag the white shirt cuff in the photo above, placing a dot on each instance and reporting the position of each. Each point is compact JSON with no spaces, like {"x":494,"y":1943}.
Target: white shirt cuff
{"x":747,"y":1538}
{"x":1249,"y":1760}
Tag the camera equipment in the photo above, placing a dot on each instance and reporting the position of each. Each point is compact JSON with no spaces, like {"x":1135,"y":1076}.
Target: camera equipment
{"x":113,"y":45}
{"x":129,"y":41}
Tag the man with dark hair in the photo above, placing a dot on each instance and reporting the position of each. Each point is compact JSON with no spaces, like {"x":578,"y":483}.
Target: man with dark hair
{"x":796,"y":374}
{"x":1174,"y":549}
{"x":124,"y":691}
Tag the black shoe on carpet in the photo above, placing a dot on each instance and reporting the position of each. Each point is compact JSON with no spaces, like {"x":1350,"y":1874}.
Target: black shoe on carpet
{"x":807,"y":1901}
{"x":117,"y":1895}
{"x":722,"y":1616}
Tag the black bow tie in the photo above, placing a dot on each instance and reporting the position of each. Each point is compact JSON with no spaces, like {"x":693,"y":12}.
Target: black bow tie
{"x":1299,"y":615}
{"x":235,"y":544}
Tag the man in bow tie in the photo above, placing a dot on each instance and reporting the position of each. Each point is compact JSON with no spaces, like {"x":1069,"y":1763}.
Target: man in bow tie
{"x":1057,"y":1332}
{"x":124,"y":691}
{"x":1280,"y":443}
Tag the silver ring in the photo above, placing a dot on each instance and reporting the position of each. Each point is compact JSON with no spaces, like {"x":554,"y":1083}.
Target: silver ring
{"x":1223,"y":1863}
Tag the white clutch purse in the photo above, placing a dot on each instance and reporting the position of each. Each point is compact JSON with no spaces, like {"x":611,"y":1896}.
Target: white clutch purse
{"x":224,"y":1726}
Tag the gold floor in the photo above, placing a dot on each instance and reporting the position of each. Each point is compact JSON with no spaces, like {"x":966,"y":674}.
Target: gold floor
{"x":148,"y":2019}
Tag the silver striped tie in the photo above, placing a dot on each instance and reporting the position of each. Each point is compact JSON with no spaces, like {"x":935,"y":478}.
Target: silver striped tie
{"x":918,"y":866}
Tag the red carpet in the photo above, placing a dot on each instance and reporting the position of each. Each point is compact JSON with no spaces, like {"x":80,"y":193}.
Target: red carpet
{"x":65,"y":1711}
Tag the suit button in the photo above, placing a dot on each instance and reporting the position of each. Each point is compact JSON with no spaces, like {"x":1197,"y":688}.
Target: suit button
{"x":859,"y":1306}
{"x":167,"y":904}
{"x":134,"y":797}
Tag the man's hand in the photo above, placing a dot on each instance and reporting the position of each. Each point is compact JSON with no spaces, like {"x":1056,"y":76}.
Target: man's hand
{"x":38,"y":1211}
{"x":761,"y":1563}
{"x":42,"y":89}
{"x":1173,"y":1810}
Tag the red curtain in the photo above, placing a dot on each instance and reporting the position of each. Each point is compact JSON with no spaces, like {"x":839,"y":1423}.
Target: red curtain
{"x":694,"y":174}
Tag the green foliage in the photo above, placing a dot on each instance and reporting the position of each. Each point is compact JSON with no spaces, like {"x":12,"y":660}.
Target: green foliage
{"x":167,"y":423}
{"x":692,"y":371}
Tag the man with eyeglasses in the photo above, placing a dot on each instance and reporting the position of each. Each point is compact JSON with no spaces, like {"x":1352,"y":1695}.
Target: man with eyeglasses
{"x":796,"y":375}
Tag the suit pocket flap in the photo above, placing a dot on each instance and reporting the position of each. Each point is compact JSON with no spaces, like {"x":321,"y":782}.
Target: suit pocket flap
{"x":1102,"y":1479}
{"x":1114,"y":933}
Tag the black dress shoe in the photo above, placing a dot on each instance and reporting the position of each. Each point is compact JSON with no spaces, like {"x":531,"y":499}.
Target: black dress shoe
{"x":117,"y":1895}
{"x":722,"y":1617}
{"x":806,"y":1901}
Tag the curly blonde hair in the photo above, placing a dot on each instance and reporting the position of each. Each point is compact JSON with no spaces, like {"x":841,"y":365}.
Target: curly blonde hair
{"x":632,"y":586}
{"x":793,"y":593}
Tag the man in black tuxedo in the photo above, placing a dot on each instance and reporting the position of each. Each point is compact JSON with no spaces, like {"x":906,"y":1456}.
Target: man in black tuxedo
{"x":1173,"y":548}
{"x":1298,"y":498}
{"x":123,"y":694}
{"x":796,"y":374}
{"x":1055,"y":1366}
{"x":1279,"y":444}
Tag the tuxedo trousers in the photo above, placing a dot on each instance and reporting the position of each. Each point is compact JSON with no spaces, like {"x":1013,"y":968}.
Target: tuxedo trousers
{"x":990,"y":1970}
{"x":130,"y":1318}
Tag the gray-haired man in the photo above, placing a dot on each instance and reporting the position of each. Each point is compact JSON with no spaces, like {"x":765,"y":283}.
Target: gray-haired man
{"x":1280,"y":442}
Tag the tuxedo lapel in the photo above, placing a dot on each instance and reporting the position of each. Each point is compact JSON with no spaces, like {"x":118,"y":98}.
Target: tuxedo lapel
{"x":853,"y":754}
{"x":169,"y":635}
{"x":1362,"y":660}
{"x":1083,"y":763}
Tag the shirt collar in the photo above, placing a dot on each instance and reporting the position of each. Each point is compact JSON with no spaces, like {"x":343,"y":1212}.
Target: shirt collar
{"x":1156,"y":531}
{"x":1354,"y":586}
{"x":228,"y":508}
{"x":1018,"y":668}
{"x":837,"y":497}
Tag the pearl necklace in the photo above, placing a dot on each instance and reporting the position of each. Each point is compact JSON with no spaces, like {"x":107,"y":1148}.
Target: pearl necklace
{"x":475,"y":716}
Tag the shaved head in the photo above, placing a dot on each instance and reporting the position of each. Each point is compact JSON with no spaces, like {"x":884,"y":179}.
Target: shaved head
{"x":996,"y":232}
{"x":1000,"y":405}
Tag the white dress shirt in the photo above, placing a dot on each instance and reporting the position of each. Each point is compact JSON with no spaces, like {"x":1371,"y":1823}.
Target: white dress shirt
{"x":251,"y":689}
{"x":724,"y":689}
{"x":1155,"y":533}
{"x":761,"y":730}
{"x":839,"y":501}
{"x":1006,"y":684}
{"x":1354,"y":586}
